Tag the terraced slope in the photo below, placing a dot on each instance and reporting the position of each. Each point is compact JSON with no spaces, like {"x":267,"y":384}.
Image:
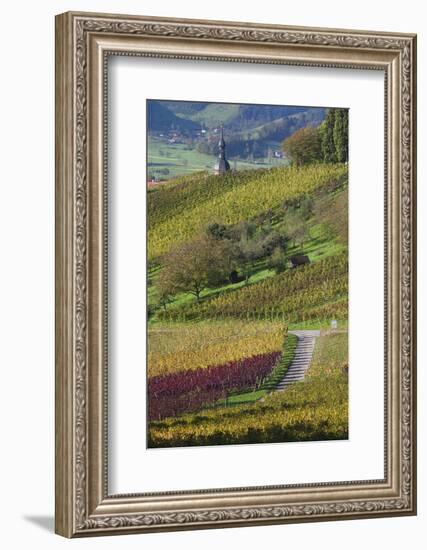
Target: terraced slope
{"x":177,"y":213}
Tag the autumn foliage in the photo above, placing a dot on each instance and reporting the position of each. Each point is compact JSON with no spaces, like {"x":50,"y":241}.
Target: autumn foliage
{"x":303,"y":147}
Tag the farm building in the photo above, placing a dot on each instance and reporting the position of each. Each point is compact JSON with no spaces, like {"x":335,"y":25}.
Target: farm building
{"x":296,"y":261}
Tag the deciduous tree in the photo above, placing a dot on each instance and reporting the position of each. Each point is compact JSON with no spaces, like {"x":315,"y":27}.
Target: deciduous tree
{"x":195,"y":265}
{"x":303,"y":147}
{"x":278,"y":260}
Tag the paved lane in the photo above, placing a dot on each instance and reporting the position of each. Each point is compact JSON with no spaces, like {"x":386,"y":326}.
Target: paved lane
{"x":302,"y":359}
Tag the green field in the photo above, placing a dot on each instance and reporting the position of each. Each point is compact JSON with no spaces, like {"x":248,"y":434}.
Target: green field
{"x":178,"y":160}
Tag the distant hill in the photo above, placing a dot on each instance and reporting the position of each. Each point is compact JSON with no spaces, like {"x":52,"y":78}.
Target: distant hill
{"x":183,"y":135}
{"x":252,"y":116}
{"x":233,"y":116}
{"x":162,"y":119}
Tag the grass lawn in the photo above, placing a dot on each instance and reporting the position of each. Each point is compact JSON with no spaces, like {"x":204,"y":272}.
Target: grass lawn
{"x":331,"y":351}
{"x":261,"y":272}
{"x":314,"y":324}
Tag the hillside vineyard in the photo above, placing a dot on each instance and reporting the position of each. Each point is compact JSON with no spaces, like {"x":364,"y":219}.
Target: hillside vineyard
{"x":247,"y":275}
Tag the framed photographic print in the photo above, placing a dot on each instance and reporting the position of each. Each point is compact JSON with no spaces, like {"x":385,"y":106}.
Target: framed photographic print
{"x":235,"y":274}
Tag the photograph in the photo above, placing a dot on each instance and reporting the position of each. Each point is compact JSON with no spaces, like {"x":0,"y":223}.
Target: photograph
{"x":247,"y":273}
{"x":235,"y":272}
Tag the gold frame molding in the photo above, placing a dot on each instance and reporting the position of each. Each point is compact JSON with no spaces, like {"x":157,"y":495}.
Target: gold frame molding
{"x":83,"y":43}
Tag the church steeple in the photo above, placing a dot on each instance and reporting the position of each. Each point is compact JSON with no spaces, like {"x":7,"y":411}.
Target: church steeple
{"x":221,"y":144}
{"x":222,"y":165}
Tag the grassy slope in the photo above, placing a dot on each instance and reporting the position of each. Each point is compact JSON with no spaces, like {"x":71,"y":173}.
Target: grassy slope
{"x":187,"y":193}
{"x":179,"y":213}
{"x":319,"y":246}
{"x":316,"y":291}
{"x":331,"y":352}
{"x":179,"y":196}
{"x":215,"y":114}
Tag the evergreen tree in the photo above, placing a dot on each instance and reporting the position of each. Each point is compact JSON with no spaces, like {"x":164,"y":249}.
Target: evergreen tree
{"x":345,"y":132}
{"x":327,"y":137}
{"x":334,"y":136}
{"x":340,"y":135}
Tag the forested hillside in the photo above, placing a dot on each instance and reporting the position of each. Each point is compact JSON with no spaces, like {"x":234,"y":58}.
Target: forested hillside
{"x":183,"y":136}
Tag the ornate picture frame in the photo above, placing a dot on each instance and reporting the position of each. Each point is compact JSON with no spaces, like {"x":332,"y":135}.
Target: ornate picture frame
{"x":84,"y":42}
